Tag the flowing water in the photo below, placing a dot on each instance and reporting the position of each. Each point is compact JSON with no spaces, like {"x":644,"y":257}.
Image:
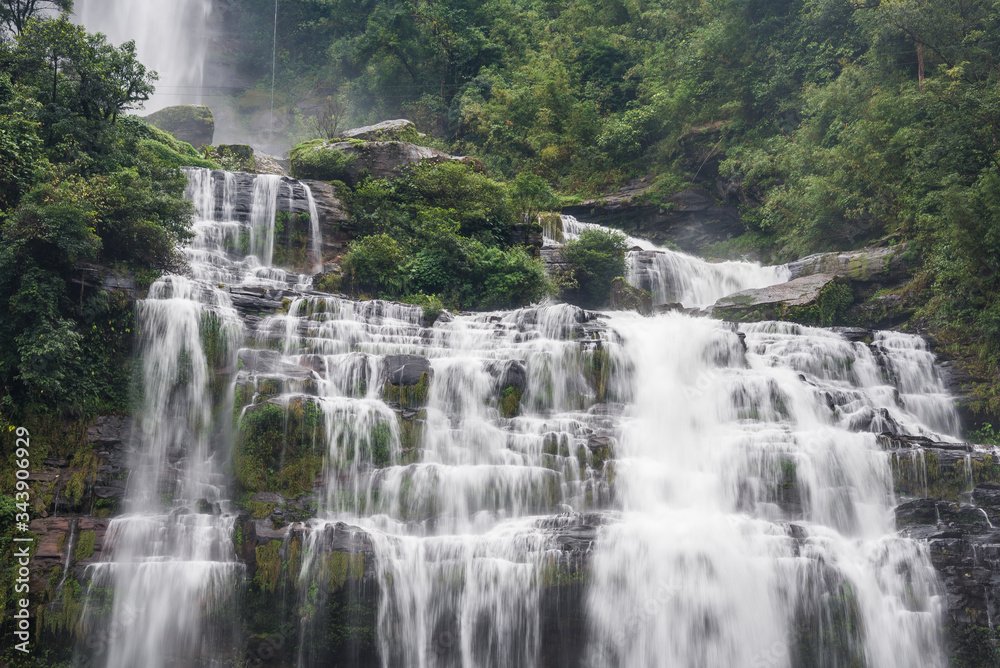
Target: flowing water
{"x":715,"y":496}
{"x":169,"y":36}
{"x":675,"y":277}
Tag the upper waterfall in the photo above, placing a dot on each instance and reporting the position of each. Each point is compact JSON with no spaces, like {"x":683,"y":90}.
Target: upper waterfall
{"x":170,"y":38}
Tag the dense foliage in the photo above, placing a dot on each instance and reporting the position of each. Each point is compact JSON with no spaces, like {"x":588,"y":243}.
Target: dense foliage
{"x":442,"y":230}
{"x":833,"y":123}
{"x":84,"y":190}
{"x":595,"y":259}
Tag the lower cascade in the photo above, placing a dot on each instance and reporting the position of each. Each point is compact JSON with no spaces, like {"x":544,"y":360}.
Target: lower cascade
{"x":321,"y":481}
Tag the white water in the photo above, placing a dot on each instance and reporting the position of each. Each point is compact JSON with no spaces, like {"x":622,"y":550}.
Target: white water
{"x":170,"y":560}
{"x":170,"y":39}
{"x":675,"y":277}
{"x":744,"y":520}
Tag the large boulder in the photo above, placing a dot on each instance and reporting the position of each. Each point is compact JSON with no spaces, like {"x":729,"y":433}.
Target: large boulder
{"x":193,"y":123}
{"x":813,"y":300}
{"x":888,"y":264}
{"x":349,"y":160}
{"x":397,"y":130}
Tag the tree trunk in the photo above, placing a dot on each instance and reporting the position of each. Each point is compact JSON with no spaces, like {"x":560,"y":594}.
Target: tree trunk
{"x":920,"y":65}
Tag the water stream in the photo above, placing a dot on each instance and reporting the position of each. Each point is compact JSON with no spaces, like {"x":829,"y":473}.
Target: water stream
{"x":717,"y":494}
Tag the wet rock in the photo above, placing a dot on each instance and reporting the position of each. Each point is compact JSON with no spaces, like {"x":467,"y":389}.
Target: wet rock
{"x":818,"y":299}
{"x":694,"y":220}
{"x":625,"y":297}
{"x":193,"y":123}
{"x":406,"y":370}
{"x":885,"y":265}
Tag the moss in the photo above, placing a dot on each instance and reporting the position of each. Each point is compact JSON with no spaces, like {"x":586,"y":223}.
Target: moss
{"x":597,"y":369}
{"x":268,"y":562}
{"x":973,"y":646}
{"x":929,"y":477}
{"x":64,"y":614}
{"x":408,"y":396}
{"x":510,"y":402}
{"x":279,"y":447}
{"x":85,"y":545}
{"x":344,"y":566}
{"x":557,"y":573}
{"x":411,"y":432}
{"x":316,"y":159}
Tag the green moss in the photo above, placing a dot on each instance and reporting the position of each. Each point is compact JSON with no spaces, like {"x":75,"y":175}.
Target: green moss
{"x":559,"y":573}
{"x":268,"y":562}
{"x":510,"y":402}
{"x":344,"y":566}
{"x":597,"y":369}
{"x":279,"y":448}
{"x":316,"y":159}
{"x":85,"y":545}
{"x":409,"y":396}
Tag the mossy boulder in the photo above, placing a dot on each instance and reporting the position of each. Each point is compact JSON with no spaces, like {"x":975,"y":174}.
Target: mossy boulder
{"x":352,"y":160}
{"x":626,"y":297}
{"x":407,"y":380}
{"x":821,"y":299}
{"x":395,"y":130}
{"x":192,"y":123}
{"x":887,"y":264}
{"x":279,"y":447}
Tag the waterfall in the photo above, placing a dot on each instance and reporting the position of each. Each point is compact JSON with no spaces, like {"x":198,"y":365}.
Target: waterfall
{"x":538,"y":487}
{"x":170,"y":38}
{"x":170,"y":562}
{"x":675,"y":277}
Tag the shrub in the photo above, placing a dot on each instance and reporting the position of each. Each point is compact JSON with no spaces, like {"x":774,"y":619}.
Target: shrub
{"x":317,"y":160}
{"x":374,"y":266}
{"x":595,"y":259}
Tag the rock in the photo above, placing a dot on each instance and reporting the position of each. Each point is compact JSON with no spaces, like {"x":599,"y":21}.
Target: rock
{"x":693,"y":221}
{"x":192,"y":123}
{"x":267,"y":497}
{"x":818,"y":299}
{"x":268,"y":164}
{"x":334,"y":220}
{"x":888,"y":264}
{"x":348,"y":160}
{"x":508,"y":373}
{"x":625,"y":297}
{"x":405,"y":370}
{"x":397,"y":130}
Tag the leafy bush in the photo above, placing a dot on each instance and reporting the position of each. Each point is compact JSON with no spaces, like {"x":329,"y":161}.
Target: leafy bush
{"x":596,"y":258}
{"x":373,"y":266}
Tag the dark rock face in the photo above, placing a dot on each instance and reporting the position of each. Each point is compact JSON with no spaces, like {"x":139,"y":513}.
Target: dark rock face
{"x":192,"y":123}
{"x":407,"y":370}
{"x":694,"y":220}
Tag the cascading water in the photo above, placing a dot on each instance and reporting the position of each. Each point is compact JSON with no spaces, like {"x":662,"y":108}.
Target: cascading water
{"x":675,"y":277}
{"x":169,"y":36}
{"x":170,"y":563}
{"x":541,"y":487}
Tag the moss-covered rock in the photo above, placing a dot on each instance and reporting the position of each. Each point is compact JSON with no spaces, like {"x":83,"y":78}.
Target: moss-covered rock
{"x":820,"y":299}
{"x":192,"y":123}
{"x":279,"y":447}
{"x":625,"y":297}
{"x":237,"y":158}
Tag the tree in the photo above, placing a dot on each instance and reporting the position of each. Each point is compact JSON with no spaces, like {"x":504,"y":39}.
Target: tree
{"x":15,"y":14}
{"x":531,"y":195}
{"x":596,"y":259}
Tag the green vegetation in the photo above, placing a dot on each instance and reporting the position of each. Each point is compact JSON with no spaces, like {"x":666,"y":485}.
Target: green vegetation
{"x":595,"y":260}
{"x":441,"y":232}
{"x":84,"y":192}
